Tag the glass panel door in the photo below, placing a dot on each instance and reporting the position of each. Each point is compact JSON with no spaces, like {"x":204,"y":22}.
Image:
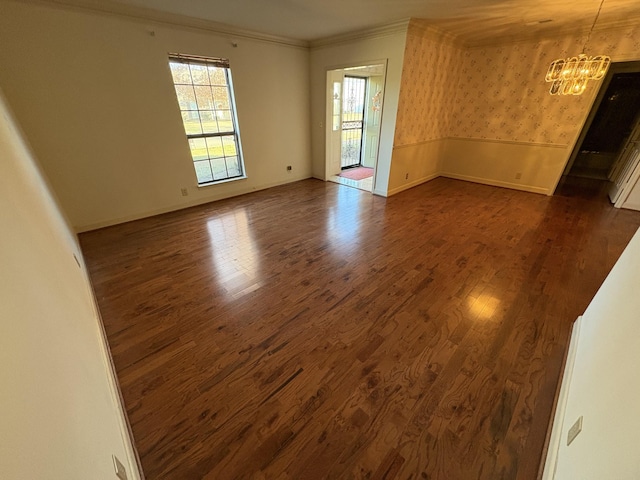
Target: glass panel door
{"x":353,"y":99}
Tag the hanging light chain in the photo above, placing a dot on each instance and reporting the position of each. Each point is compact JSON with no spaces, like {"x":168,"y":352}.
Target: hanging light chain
{"x":595,"y":20}
{"x":569,"y":76}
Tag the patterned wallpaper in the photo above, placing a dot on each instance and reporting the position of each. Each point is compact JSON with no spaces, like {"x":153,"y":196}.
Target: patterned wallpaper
{"x":497,"y":92}
{"x":425,"y":105}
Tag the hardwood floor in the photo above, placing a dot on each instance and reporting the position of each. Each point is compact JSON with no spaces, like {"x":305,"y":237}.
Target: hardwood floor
{"x":316,"y":331}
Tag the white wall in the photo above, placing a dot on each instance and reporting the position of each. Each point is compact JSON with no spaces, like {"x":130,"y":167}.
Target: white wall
{"x":522,"y":166}
{"x":604,"y":386}
{"x":60,"y":415}
{"x":94,"y":95}
{"x":362,"y":51}
{"x":415,"y":163}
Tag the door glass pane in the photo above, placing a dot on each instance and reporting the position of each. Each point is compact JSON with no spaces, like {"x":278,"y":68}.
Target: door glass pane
{"x":353,"y":100}
{"x":337,"y":90}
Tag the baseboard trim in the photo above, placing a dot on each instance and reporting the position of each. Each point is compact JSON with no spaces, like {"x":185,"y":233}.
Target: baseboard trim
{"x":173,"y":208}
{"x":415,"y":183}
{"x":555,"y":439}
{"x":496,"y":183}
{"x":126,"y":432}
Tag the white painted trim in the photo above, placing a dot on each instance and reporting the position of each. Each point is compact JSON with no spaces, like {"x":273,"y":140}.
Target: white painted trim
{"x":374,"y":32}
{"x":555,"y":441}
{"x":509,"y":142}
{"x":328,"y":120}
{"x":549,"y":33}
{"x":380,"y":193}
{"x":133,"y":459}
{"x":134,"y":465}
{"x":417,"y":144}
{"x":109,"y":7}
{"x":329,"y":106}
{"x":419,"y":27}
{"x":173,"y":208}
{"x":496,"y":183}
{"x":409,"y":185}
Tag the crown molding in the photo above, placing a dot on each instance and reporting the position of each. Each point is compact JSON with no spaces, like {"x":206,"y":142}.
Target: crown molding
{"x":108,"y":7}
{"x":373,"y":32}
{"x":420,"y":28}
{"x":548,"y":34}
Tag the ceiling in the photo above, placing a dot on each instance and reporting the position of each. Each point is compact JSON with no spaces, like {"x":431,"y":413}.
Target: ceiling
{"x":471,"y":20}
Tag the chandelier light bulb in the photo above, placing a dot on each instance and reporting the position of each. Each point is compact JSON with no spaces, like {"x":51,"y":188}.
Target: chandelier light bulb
{"x":569,"y":76}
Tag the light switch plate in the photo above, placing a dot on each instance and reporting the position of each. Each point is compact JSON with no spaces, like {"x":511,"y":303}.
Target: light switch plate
{"x":575,"y":429}
{"x":121,"y":472}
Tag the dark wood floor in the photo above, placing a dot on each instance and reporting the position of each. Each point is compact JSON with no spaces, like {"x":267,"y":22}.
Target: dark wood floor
{"x":316,"y":331}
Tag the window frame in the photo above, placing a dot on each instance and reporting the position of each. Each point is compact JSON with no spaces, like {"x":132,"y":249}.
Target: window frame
{"x":223,"y":64}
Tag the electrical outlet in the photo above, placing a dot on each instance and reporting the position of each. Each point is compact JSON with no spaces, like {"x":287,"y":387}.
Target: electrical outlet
{"x":518,"y":176}
{"x":406,"y":176}
{"x":575,"y":429}
{"x":184,"y":191}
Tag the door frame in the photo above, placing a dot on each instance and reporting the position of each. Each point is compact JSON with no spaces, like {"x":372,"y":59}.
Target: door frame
{"x":615,"y":68}
{"x":328,"y":110}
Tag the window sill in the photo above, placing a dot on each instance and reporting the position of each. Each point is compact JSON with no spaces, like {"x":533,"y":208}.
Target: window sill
{"x":218,"y":182}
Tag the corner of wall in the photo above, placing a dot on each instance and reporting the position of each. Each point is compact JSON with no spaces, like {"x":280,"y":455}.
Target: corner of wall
{"x":553,"y":446}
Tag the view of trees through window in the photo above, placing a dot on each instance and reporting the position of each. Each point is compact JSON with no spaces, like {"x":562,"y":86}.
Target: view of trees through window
{"x":205,"y":98}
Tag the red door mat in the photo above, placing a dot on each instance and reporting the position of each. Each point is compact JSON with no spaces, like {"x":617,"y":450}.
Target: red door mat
{"x":359,"y":173}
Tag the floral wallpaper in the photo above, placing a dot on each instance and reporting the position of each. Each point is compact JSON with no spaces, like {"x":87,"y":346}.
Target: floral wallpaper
{"x":497,"y":92}
{"x":425,"y":105}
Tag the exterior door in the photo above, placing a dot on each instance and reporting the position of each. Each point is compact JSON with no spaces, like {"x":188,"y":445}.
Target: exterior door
{"x":334,"y":122}
{"x":373,"y":115}
{"x":353,"y":101}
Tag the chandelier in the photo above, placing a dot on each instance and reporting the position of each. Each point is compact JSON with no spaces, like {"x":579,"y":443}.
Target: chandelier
{"x":570,"y":76}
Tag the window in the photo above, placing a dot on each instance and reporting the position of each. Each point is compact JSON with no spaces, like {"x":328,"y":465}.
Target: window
{"x":205,"y":96}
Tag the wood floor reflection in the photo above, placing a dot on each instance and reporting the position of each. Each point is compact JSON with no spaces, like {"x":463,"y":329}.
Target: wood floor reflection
{"x":317,"y":331}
